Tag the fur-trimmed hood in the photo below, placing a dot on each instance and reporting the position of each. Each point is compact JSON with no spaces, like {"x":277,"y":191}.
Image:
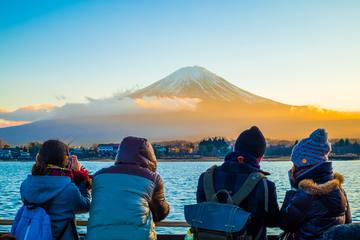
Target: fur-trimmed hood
{"x":312,"y":188}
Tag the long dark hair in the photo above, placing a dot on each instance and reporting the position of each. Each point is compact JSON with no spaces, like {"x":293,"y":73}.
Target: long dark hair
{"x":51,"y":152}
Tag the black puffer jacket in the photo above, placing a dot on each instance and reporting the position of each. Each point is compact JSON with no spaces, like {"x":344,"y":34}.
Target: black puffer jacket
{"x":230,"y":176}
{"x":319,"y":204}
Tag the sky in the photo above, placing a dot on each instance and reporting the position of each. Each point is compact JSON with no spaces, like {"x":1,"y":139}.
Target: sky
{"x":296,"y":52}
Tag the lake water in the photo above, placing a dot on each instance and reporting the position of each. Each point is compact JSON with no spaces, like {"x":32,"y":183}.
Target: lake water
{"x":180,"y":184}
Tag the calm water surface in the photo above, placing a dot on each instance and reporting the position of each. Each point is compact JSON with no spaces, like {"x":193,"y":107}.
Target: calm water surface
{"x":180,"y":184}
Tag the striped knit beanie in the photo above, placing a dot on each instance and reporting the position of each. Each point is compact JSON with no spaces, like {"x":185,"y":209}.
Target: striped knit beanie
{"x":312,"y":150}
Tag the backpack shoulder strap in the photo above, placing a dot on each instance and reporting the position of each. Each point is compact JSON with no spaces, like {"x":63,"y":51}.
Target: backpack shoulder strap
{"x":209,"y":187}
{"x":266,"y":207}
{"x":266,"y":194}
{"x":248,"y":186}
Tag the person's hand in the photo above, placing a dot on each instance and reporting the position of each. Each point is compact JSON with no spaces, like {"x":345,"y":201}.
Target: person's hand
{"x":74,"y":163}
{"x":37,"y":159}
{"x":82,"y":178}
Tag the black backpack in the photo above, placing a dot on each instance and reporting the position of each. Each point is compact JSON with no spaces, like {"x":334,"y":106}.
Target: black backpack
{"x":212,"y":220}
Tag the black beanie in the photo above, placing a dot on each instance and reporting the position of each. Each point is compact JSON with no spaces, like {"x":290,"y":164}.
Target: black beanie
{"x":251,"y":141}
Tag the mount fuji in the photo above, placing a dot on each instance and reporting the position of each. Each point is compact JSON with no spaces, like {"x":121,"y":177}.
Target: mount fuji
{"x":218,"y":108}
{"x":197,"y":82}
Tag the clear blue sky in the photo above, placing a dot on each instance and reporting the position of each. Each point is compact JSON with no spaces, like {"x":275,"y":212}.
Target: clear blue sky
{"x":297,"y":52}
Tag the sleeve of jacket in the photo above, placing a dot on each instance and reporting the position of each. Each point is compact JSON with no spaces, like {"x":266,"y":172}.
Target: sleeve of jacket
{"x":200,"y":193}
{"x":272,"y":217}
{"x":293,"y":210}
{"x":348,"y":217}
{"x":158,"y":205}
{"x":81,"y":198}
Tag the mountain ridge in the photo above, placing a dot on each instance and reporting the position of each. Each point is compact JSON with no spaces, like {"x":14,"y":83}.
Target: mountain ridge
{"x":224,"y":110}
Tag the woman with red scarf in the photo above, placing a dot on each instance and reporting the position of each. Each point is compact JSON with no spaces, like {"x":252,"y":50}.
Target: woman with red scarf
{"x":62,"y":183}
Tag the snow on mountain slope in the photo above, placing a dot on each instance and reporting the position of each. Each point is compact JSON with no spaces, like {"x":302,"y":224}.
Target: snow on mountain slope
{"x":196,"y":82}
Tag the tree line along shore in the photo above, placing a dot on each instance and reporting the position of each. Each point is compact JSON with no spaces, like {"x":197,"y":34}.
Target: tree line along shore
{"x":208,"y":149}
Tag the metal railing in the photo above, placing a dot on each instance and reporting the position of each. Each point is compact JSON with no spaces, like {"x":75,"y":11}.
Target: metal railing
{"x":7,"y":222}
{"x":167,"y":224}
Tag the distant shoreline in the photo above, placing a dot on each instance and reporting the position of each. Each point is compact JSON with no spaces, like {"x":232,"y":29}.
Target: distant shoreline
{"x":216,"y":159}
{"x":202,"y":159}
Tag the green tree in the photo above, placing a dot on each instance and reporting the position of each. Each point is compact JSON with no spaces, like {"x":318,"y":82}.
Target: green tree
{"x":2,"y":143}
{"x":213,"y":146}
{"x":33,"y":147}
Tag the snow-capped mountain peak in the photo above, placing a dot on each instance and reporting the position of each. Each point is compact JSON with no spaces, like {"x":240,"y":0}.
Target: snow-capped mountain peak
{"x":188,"y":74}
{"x":196,"y":82}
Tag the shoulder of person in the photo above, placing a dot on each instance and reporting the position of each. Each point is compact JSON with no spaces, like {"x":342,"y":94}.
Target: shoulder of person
{"x":71,"y":191}
{"x":202,"y":175}
{"x":157,"y":178}
{"x":301,"y":197}
{"x":270,"y":185}
{"x":101,"y":171}
{"x":271,"y":189}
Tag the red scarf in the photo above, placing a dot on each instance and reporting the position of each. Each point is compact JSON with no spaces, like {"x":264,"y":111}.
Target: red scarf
{"x":76,"y":176}
{"x":53,"y":170}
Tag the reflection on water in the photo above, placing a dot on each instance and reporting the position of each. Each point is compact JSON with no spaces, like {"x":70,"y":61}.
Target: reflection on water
{"x":180,"y":184}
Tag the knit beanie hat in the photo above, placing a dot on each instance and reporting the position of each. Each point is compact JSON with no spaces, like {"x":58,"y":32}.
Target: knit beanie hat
{"x":251,"y":141}
{"x":312,"y":150}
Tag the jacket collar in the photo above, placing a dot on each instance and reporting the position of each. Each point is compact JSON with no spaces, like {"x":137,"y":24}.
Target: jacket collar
{"x":248,"y":158}
{"x":312,"y":188}
{"x":320,"y":173}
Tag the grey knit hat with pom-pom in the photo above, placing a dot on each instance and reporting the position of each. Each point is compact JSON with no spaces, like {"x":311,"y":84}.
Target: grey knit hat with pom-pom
{"x":312,"y":150}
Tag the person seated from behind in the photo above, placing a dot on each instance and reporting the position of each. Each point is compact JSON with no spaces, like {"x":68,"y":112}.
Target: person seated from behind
{"x":317,"y":200}
{"x":248,"y":152}
{"x":62,"y":185}
{"x":128,"y":197}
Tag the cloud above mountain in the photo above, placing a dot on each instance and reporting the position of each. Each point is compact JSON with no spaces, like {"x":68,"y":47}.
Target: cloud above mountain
{"x":5,"y":123}
{"x":27,"y":113}
{"x":124,"y":105}
{"x":116,"y":105}
{"x":167,"y":103}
